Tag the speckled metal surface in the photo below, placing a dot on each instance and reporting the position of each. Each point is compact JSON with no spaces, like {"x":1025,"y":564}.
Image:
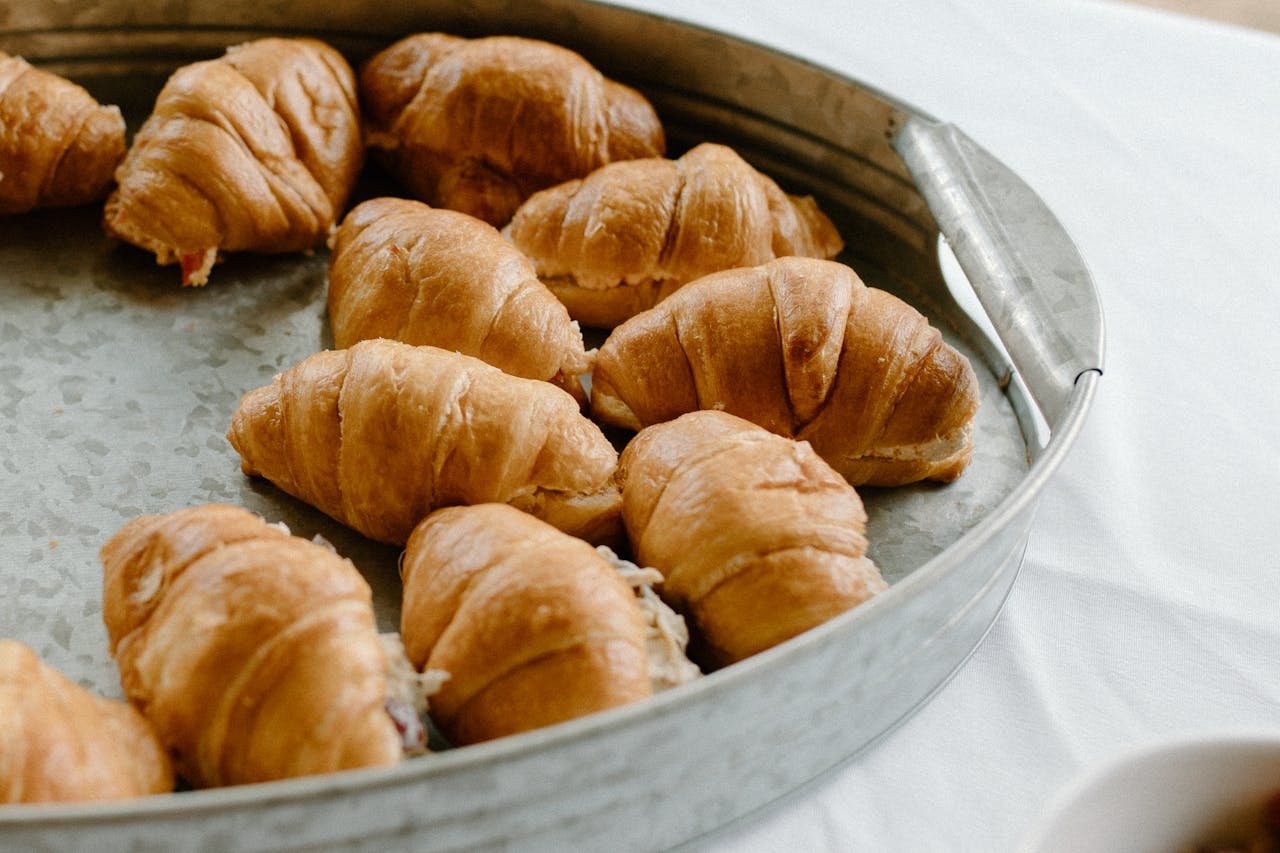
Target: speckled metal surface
{"x":116,"y":388}
{"x":115,"y":394}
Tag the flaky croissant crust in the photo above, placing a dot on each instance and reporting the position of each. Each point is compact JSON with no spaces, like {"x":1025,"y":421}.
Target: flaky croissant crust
{"x":535,"y":626}
{"x":405,"y":271}
{"x":478,"y":124}
{"x":630,"y":234}
{"x":253,"y":653}
{"x":58,"y":146}
{"x":255,"y":151}
{"x":757,"y":537}
{"x":805,"y":349}
{"x":61,"y":743}
{"x":380,"y":434}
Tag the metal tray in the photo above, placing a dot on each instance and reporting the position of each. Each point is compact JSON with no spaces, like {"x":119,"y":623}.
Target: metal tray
{"x":116,"y":388}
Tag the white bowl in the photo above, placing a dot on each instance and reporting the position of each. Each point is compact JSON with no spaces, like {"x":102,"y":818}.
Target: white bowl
{"x":1166,"y":798}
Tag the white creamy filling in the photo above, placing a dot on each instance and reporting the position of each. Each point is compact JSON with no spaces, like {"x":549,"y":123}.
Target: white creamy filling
{"x":667,"y":636}
{"x":942,"y":447}
{"x":589,"y":282}
{"x":404,"y":683}
{"x":408,"y":692}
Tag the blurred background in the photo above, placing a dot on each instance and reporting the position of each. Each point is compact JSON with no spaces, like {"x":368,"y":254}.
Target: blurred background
{"x":1259,"y":14}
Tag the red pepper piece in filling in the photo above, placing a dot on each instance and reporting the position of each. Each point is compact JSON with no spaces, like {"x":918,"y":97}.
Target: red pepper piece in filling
{"x":196,"y":266}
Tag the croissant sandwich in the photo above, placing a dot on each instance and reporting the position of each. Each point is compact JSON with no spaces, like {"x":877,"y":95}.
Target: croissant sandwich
{"x":61,"y":743}
{"x":630,"y":234}
{"x":758,"y":539}
{"x":379,"y":435}
{"x":803,"y":348}
{"x":477,"y":125}
{"x":535,"y":626}
{"x":405,"y":271}
{"x":256,"y":151}
{"x":253,"y":653}
{"x":58,"y":146}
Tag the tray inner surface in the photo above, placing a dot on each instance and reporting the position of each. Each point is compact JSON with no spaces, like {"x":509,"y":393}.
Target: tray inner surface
{"x":117,"y":387}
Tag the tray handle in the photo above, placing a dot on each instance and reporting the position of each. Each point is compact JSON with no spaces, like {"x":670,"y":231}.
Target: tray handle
{"x":1026,"y":272}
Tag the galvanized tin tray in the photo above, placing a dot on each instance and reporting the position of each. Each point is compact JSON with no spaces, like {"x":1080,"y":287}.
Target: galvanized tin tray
{"x":116,"y":388}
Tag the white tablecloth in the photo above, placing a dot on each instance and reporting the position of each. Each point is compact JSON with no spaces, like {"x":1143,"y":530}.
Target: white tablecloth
{"x":1149,"y":601}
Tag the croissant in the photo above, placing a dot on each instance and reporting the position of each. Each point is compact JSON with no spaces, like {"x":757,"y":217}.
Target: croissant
{"x":58,"y":146}
{"x":477,"y":125}
{"x":253,"y":653}
{"x":630,"y":234}
{"x":256,"y":151}
{"x":758,"y":539}
{"x":380,"y":434}
{"x":804,"y":349}
{"x":535,"y":627}
{"x":61,"y":743}
{"x":402,"y":270}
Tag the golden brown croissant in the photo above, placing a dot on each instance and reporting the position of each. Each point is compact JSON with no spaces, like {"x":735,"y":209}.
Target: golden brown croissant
{"x":408,"y":272}
{"x":253,"y":653}
{"x":61,"y":743}
{"x":630,"y":234}
{"x":256,"y":151}
{"x":379,"y":435}
{"x":757,"y":537}
{"x":58,"y":146}
{"x":478,"y":124}
{"x":803,"y":348}
{"x":534,"y":626}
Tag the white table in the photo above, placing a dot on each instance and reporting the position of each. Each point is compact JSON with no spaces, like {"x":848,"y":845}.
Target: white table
{"x":1149,"y":602}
